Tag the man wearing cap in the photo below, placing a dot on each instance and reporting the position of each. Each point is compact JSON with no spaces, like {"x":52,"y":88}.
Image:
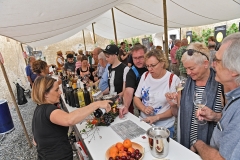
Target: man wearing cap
{"x":70,"y":64}
{"x":116,"y":71}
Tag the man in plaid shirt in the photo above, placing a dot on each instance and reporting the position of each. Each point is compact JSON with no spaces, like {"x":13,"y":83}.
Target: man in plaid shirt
{"x":184,"y":44}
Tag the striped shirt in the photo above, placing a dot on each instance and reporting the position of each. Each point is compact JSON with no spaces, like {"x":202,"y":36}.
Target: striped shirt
{"x":218,"y":108}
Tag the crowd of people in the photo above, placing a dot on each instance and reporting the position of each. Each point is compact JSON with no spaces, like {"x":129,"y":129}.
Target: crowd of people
{"x":142,"y":77}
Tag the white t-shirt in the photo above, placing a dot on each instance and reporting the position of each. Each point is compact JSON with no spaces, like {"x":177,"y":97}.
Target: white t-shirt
{"x":157,"y":88}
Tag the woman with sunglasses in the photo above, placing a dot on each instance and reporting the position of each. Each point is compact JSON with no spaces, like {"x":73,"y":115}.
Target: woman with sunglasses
{"x":149,"y":96}
{"x":201,"y":77}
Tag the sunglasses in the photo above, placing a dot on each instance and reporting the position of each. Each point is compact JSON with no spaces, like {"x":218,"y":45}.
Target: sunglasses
{"x":190,"y":52}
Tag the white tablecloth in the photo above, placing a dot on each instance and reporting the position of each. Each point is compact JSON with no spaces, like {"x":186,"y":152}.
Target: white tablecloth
{"x":98,"y":146}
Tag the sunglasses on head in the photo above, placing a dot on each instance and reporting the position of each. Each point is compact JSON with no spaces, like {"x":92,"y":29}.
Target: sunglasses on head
{"x":190,"y":52}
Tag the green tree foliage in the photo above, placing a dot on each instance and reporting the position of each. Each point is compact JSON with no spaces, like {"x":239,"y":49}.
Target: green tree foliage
{"x":205,"y":34}
{"x":232,"y":29}
{"x":112,"y":42}
{"x":196,"y":38}
{"x":150,"y":38}
{"x":135,"y":40}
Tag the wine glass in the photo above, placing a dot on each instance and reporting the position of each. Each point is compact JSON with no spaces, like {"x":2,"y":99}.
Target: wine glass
{"x":151,"y":101}
{"x":180,"y":86}
{"x":199,"y":100}
{"x":120,"y":106}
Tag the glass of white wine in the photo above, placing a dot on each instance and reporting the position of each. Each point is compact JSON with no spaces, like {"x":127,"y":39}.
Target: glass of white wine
{"x":151,"y":101}
{"x":120,"y":106}
{"x":199,"y":100}
{"x":180,"y":86}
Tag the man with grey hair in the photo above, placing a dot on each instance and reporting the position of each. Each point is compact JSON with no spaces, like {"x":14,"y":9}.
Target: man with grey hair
{"x":225,"y":141}
{"x":211,"y":47}
{"x":103,"y":81}
{"x":174,"y":65}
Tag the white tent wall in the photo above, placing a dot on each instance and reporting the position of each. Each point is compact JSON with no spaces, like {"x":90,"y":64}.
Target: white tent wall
{"x":73,"y":43}
{"x":14,"y":65}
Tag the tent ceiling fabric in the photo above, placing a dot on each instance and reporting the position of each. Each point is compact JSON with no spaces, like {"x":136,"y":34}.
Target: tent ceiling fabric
{"x":36,"y":22}
{"x":39,"y":23}
{"x":126,"y":26}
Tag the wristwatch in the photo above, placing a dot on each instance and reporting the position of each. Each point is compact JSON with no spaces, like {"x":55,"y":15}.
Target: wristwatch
{"x":193,"y":142}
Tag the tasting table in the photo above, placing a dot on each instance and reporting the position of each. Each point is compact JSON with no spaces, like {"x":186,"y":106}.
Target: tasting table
{"x":98,"y":146}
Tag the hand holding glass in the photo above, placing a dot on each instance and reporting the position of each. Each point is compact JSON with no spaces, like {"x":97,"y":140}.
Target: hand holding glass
{"x":180,"y":86}
{"x":151,"y":101}
{"x":120,"y":106}
{"x":199,"y":100}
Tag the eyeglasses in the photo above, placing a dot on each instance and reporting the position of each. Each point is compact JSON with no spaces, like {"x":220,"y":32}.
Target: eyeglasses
{"x":190,"y":52}
{"x":216,"y":60}
{"x":152,"y":65}
{"x":138,"y":58}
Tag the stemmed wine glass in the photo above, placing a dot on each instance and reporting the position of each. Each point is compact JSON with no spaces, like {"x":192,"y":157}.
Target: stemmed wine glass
{"x":120,"y":106}
{"x":180,"y":86}
{"x":199,"y":100}
{"x":150,"y":102}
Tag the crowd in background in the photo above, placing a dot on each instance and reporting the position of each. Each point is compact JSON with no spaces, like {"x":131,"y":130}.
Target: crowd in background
{"x":148,"y":85}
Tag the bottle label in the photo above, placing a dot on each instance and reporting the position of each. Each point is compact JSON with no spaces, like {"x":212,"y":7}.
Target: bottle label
{"x":103,"y":110}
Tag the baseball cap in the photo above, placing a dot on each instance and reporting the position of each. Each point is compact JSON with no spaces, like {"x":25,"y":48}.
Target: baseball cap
{"x":111,"y":49}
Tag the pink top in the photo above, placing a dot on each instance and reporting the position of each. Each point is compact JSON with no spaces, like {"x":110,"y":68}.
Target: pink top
{"x":78,"y":65}
{"x":173,"y":54}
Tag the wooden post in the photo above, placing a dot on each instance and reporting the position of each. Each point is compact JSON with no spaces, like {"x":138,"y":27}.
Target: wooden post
{"x":94,"y":38}
{"x":180,"y":34}
{"x":165,"y":27}
{"x":15,"y":104}
{"x":84,"y":40}
{"x":114,"y":27}
{"x":23,"y":51}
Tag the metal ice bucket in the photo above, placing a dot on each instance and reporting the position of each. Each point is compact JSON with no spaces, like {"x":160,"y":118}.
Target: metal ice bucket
{"x":158,"y":139}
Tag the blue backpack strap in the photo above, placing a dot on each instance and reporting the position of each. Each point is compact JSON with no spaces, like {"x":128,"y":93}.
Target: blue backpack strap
{"x":136,"y":72}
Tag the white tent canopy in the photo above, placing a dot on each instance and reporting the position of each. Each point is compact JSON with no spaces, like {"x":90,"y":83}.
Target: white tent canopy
{"x":40,"y":23}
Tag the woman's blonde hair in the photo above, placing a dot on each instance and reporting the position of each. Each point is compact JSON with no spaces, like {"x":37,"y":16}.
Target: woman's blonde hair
{"x":198,"y":58}
{"x":159,"y":55}
{"x":41,"y":86}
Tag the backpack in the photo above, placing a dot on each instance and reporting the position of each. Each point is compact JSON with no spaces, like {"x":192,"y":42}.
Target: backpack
{"x":136,"y":73}
{"x":21,"y":99}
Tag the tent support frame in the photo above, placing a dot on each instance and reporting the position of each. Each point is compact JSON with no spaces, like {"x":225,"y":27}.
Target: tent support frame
{"x":15,"y":104}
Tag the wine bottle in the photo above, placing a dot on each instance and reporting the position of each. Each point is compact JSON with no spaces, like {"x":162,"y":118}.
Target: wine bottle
{"x":67,"y":94}
{"x":86,"y":95}
{"x":81,"y":97}
{"x":75,"y":95}
{"x":100,"y":111}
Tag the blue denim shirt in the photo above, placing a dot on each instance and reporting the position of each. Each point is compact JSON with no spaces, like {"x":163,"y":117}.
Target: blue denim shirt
{"x":227,"y":141}
{"x":103,"y":84}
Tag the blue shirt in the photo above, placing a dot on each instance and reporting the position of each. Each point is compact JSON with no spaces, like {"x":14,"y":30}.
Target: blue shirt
{"x":227,"y":141}
{"x":103,"y":84}
{"x":30,"y":73}
{"x":100,"y":70}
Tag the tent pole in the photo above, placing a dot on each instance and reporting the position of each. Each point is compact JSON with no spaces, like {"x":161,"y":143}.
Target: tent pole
{"x":15,"y":104}
{"x":84,"y":40}
{"x":180,"y":30}
{"x":23,"y":51}
{"x":94,"y":38}
{"x":114,"y":27}
{"x":165,"y":27}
